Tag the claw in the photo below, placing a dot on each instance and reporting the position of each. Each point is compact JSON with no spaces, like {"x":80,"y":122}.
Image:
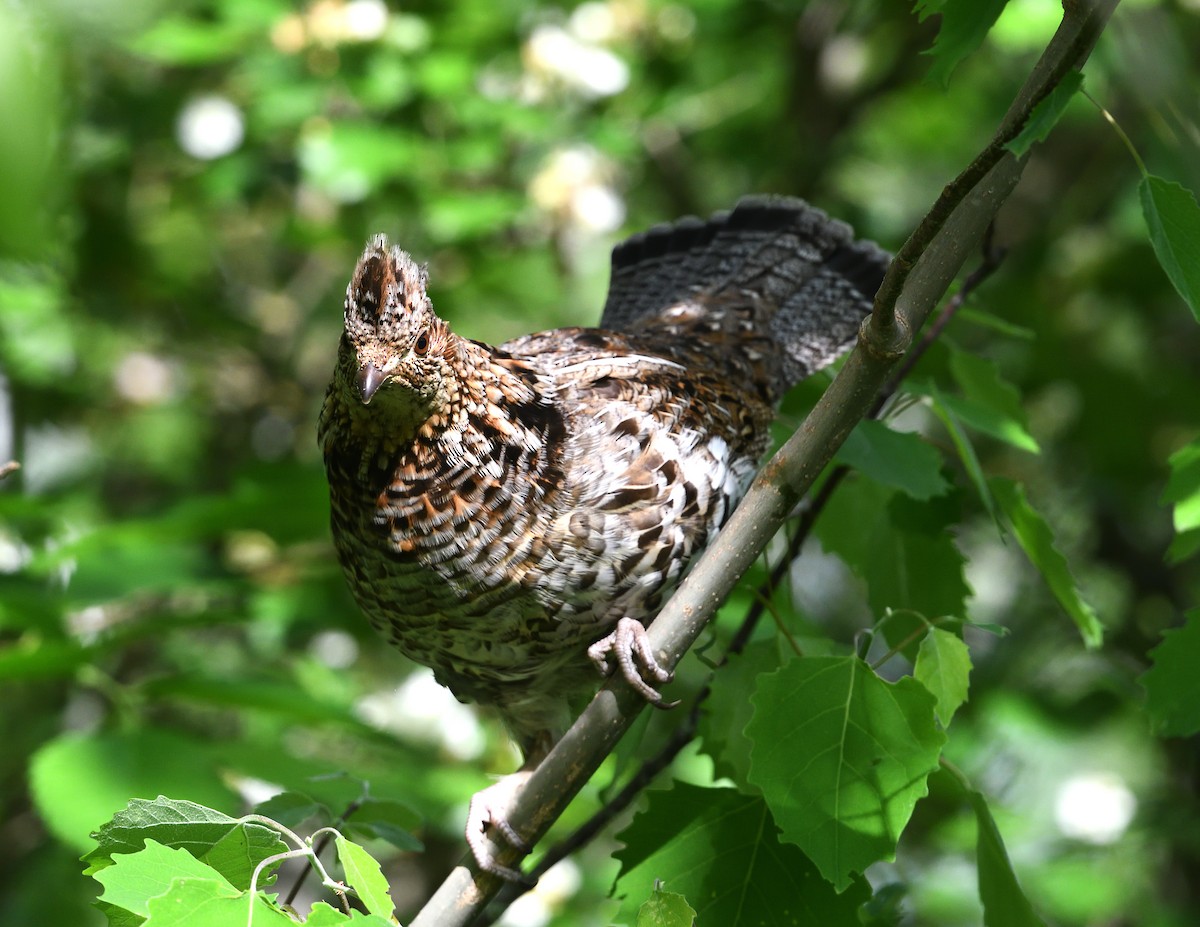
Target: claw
{"x":627,"y":642}
{"x":489,"y":809}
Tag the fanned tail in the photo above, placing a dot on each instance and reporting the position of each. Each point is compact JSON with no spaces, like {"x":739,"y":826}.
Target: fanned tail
{"x":814,"y":282}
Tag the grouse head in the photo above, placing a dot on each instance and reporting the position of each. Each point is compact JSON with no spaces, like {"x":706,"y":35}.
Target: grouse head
{"x":395,"y":347}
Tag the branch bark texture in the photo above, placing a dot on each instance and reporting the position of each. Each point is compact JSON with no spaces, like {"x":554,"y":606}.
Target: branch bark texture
{"x":922,"y":271}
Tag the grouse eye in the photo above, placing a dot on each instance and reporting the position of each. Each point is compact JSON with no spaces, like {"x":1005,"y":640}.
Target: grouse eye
{"x":422,"y":344}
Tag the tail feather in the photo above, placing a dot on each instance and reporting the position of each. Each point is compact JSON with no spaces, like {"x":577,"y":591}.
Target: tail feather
{"x":807,"y":266}
{"x":657,"y":268}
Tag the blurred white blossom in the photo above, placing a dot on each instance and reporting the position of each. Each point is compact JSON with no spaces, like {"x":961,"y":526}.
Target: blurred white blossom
{"x":144,"y":379}
{"x":14,"y":553}
{"x":574,"y":187}
{"x":329,"y":23}
{"x":335,"y":649}
{"x":594,"y":22}
{"x":88,"y":623}
{"x":1095,"y":807}
{"x":55,"y":455}
{"x":209,"y":127}
{"x":365,"y":20}
{"x":843,"y":63}
{"x":250,"y":551}
{"x":571,"y":53}
{"x":675,"y":23}
{"x":553,"y":55}
{"x":252,"y":790}
{"x":536,"y":907}
{"x":422,"y":709}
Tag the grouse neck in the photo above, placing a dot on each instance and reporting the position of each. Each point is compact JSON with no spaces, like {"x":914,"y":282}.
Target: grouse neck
{"x":401,"y":408}
{"x":473,"y":381}
{"x":394,"y":417}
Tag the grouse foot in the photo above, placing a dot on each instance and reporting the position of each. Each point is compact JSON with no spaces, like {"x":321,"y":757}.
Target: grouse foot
{"x":630,"y":645}
{"x":489,"y":808}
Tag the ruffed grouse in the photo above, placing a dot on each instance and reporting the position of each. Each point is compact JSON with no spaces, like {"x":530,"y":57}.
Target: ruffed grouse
{"x":501,"y":511}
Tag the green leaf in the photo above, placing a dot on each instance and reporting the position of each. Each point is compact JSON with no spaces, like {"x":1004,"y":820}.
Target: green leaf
{"x":943,"y":666}
{"x":194,"y":903}
{"x":1183,"y":492}
{"x":1172,"y":683}
{"x":992,"y":322}
{"x":886,"y":908}
{"x":843,"y":766}
{"x":350,"y":160}
{"x":721,"y":850}
{"x":231,"y":848}
{"x":902,"y":549}
{"x":1173,"y":218}
{"x":453,"y":216}
{"x":35,"y":657}
{"x":79,"y":781}
{"x":164,"y":820}
{"x":898,"y":459}
{"x":984,"y":418}
{"x":363,"y":874}
{"x":238,"y":853}
{"x":989,"y":403}
{"x":292,"y":809}
{"x":1034,"y":536}
{"x":666,"y":909}
{"x":965,"y":24}
{"x":1004,"y":904}
{"x":905,"y":629}
{"x":383,"y":819}
{"x":1183,"y":487}
{"x":1183,"y":546}
{"x":36,"y":343}
{"x":728,"y":711}
{"x":114,"y":559}
{"x":966,"y":450}
{"x":119,"y":917}
{"x":322,"y":915}
{"x":34,"y":117}
{"x":191,"y":41}
{"x":1046,"y":114}
{"x":134,"y":878}
{"x":281,"y":698}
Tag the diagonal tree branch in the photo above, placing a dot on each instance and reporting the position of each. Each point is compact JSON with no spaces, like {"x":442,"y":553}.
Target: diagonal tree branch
{"x":685,"y":729}
{"x":923,"y":270}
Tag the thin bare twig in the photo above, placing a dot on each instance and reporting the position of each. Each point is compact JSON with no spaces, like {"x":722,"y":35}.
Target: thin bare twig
{"x":322,"y":844}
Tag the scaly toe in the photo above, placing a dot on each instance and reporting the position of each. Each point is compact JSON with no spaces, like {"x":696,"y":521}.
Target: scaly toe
{"x":510,"y":836}
{"x":630,"y":646}
{"x":598,"y":654}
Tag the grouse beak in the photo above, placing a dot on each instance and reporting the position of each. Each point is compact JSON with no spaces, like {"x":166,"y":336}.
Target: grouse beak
{"x":370,"y":378}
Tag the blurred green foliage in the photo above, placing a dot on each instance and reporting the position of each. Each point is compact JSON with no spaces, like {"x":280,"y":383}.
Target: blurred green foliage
{"x":185,"y":188}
